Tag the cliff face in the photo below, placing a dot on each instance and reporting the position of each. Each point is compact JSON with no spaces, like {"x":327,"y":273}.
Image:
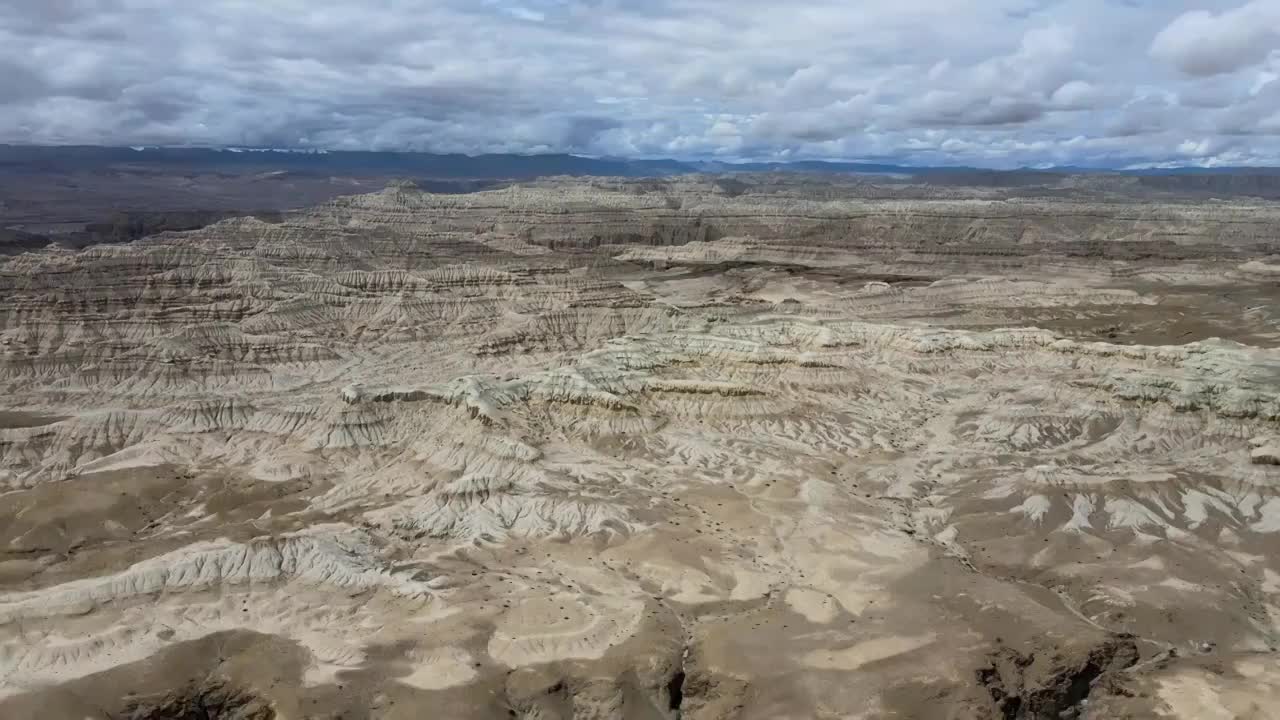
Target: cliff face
{"x":645,"y":449}
{"x":569,"y":216}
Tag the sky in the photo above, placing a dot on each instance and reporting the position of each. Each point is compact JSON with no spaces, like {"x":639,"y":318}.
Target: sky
{"x":991,"y":83}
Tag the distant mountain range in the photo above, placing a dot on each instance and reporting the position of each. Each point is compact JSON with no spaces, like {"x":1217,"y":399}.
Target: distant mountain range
{"x":497,"y":166}
{"x":83,"y":195}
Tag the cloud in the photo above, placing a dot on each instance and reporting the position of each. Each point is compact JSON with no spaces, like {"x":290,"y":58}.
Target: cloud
{"x":1077,"y":95}
{"x":1202,"y":43}
{"x":18,"y":83}
{"x":987,"y":82}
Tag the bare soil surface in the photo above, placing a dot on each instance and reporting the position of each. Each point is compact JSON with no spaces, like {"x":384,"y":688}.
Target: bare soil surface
{"x":648,"y":450}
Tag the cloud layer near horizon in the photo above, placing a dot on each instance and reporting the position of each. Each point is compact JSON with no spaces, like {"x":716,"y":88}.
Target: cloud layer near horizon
{"x":984,"y":82}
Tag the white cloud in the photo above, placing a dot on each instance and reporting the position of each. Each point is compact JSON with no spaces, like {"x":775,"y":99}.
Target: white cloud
{"x":524,"y":13}
{"x":1076,"y":95}
{"x":1202,"y":43}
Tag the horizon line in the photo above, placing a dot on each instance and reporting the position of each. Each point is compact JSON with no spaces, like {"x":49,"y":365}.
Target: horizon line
{"x":1132,"y":165}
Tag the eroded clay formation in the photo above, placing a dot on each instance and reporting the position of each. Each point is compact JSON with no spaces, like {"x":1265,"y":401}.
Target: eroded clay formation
{"x":629,"y":449}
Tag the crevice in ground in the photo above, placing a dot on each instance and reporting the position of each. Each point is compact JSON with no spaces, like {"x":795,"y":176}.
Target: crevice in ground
{"x":216,"y":701}
{"x":675,"y":692}
{"x":1057,"y":686}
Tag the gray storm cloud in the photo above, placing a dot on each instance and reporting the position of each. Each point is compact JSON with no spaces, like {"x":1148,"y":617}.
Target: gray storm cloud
{"x":987,"y":82}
